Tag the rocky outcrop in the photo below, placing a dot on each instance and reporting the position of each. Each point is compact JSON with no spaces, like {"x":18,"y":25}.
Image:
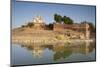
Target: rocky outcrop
{"x":35,"y":36}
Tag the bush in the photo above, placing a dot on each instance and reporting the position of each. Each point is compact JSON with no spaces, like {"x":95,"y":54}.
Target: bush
{"x":60,"y":37}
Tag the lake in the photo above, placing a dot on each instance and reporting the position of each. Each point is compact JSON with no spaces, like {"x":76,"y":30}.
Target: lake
{"x":23,"y":54}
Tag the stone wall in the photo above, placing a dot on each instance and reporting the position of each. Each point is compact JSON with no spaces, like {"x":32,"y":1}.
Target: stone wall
{"x":83,"y":28}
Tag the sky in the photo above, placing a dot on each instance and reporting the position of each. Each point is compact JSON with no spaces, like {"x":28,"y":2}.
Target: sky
{"x":24,"y":12}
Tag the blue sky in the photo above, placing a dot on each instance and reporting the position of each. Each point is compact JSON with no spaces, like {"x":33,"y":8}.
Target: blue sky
{"x":23,"y":12}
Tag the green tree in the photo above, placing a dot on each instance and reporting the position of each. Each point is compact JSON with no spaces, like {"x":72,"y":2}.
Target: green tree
{"x":58,"y":18}
{"x":23,"y":26}
{"x":50,"y":26}
{"x":70,"y":21}
{"x":55,"y":17}
{"x":67,"y":20}
{"x":30,"y":25}
{"x":92,"y":27}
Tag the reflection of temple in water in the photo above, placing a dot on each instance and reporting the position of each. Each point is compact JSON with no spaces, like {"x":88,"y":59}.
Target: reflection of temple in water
{"x":38,"y":51}
{"x":62,"y":51}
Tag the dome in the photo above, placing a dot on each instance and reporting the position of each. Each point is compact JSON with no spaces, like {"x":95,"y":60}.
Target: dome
{"x":38,"y":19}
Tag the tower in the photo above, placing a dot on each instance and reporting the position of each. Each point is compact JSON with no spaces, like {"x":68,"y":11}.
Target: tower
{"x":87,"y":31}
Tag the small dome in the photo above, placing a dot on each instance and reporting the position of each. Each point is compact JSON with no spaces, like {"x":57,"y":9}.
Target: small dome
{"x":38,"y":19}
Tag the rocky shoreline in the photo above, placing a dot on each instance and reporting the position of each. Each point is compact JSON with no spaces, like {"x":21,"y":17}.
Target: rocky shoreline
{"x":53,"y":41}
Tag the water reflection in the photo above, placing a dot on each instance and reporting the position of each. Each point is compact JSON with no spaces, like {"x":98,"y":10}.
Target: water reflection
{"x":61,"y":50}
